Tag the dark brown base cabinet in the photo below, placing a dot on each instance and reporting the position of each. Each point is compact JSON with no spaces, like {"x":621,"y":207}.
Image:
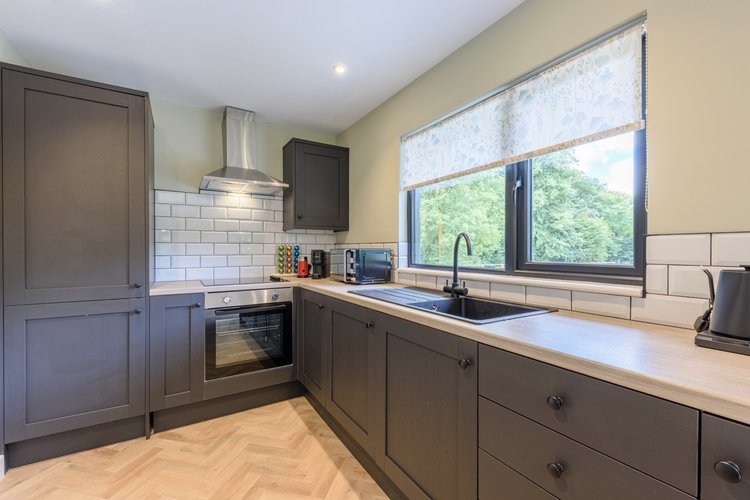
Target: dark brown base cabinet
{"x":404,"y":392}
{"x":73,"y":365}
{"x":725,"y":459}
{"x":176,"y":355}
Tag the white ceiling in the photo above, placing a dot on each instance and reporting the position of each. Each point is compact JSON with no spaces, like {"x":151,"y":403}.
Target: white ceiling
{"x":271,"y":56}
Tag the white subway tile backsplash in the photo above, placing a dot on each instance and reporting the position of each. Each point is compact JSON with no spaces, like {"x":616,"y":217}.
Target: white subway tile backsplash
{"x":656,"y":279}
{"x":226,"y":273}
{"x":185,"y":211}
{"x":249,"y":202}
{"x":665,"y":310}
{"x":476,"y":288}
{"x":226,"y":249}
{"x":162,"y":210}
{"x":685,"y":249}
{"x":253,"y":248}
{"x":199,"y":224}
{"x":240,"y":237}
{"x":549,"y":297}
{"x":182,"y":261}
{"x":170,"y":248}
{"x":226,"y":201}
{"x":273,"y":227}
{"x":162,"y":262}
{"x":213,"y":237}
{"x":239,"y":213}
{"x":200,"y":273}
{"x":599,"y":303}
{"x":273,"y":205}
{"x":279,"y":216}
{"x":213,"y":213}
{"x":263,"y":260}
{"x":730,"y":249}
{"x":169,"y":223}
{"x":325,"y":239}
{"x":163,"y":236}
{"x":213,"y":261}
{"x":240,"y":260}
{"x":306,"y":238}
{"x":264,"y":215}
{"x":251,"y":226}
{"x":226,"y":225}
{"x":186,"y":236}
{"x":286,"y":238}
{"x":407,"y":279}
{"x":251,"y":272}
{"x":199,"y":199}
{"x":512,"y":293}
{"x":169,"y":274}
{"x":170,"y":197}
{"x":690,"y":281}
{"x":425,"y":281}
{"x":200,"y":249}
{"x":264,"y":238}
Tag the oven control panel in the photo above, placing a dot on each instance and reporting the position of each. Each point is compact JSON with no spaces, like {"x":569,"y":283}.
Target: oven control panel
{"x":238,"y":298}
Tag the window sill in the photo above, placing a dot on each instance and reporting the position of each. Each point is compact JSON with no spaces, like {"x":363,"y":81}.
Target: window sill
{"x":577,"y":286}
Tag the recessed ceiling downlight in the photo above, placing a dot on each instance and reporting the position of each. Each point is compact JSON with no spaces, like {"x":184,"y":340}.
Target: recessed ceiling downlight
{"x":339,"y":69}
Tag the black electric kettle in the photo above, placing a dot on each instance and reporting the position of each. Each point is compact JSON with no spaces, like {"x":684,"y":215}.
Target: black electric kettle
{"x":729,"y":306}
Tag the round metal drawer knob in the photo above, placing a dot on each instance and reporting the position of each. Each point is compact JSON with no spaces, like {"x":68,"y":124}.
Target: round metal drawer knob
{"x":556,"y":469}
{"x":555,"y":402}
{"x":728,"y":471}
{"x":464,"y":363}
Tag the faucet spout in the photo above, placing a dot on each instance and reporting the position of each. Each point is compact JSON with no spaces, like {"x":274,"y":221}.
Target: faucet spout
{"x":455,"y":288}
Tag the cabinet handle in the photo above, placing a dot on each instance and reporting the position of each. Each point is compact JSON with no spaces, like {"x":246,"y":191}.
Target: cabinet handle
{"x":464,"y":363}
{"x":369,"y":324}
{"x":555,"y":402}
{"x":728,"y":471}
{"x":197,"y":305}
{"x":321,"y":306}
{"x":299,"y":216}
{"x":138,"y":310}
{"x":555,"y":470}
{"x":137,"y":284}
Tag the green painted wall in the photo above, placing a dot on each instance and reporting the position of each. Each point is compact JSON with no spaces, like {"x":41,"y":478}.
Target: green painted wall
{"x":699,"y":107}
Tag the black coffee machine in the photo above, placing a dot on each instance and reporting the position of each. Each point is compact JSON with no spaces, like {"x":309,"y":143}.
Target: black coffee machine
{"x":321,"y":264}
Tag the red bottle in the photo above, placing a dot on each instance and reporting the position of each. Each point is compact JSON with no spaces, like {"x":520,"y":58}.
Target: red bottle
{"x":303,"y":269}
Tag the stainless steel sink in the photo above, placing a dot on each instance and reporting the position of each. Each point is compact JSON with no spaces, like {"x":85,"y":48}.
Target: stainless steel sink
{"x":477,"y":310}
{"x":472,"y":309}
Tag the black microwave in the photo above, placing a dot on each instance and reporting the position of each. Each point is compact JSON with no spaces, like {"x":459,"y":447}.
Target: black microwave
{"x":361,"y":265}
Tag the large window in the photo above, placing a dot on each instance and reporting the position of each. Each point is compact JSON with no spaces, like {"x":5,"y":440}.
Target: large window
{"x":547,"y":175}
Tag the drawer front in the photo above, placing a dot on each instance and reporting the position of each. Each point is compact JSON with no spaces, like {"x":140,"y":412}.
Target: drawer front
{"x":655,"y":436}
{"x":497,"y":481}
{"x":532,"y":449}
{"x":725,"y":445}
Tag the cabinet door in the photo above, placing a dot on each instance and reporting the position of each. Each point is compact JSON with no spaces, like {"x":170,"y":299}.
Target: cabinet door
{"x":176,"y":355}
{"x":321,"y":186}
{"x":353,"y":367}
{"x":725,"y":459}
{"x":73,"y":365}
{"x":73,"y":191}
{"x":428,"y":408}
{"x":313,"y":339}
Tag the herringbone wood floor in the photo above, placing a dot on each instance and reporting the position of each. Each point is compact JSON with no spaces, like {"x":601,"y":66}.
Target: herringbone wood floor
{"x":283,"y":450}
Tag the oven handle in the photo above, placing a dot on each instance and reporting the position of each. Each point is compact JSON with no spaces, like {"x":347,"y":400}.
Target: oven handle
{"x":240,"y":309}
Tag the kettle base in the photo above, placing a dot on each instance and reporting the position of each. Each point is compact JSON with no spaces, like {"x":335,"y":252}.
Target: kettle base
{"x":722,"y":343}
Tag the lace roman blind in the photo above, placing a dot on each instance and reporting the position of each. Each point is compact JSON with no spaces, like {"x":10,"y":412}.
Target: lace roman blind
{"x":595,"y":94}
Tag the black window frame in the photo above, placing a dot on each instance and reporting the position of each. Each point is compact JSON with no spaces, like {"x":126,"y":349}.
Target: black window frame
{"x":518,"y":223}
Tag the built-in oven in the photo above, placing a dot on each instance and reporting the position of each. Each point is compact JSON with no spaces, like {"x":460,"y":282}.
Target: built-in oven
{"x":248,"y":331}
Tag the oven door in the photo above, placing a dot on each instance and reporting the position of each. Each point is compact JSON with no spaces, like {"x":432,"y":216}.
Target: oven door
{"x":248,"y":339}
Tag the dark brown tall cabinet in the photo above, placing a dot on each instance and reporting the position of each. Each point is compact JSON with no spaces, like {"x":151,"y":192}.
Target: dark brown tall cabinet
{"x":75,"y":194}
{"x":318,"y":192}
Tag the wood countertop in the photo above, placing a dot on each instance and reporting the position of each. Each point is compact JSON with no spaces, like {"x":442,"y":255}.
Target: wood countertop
{"x":657,"y":360}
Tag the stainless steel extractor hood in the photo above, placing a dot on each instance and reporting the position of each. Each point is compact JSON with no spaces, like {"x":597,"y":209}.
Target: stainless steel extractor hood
{"x":239,"y":174}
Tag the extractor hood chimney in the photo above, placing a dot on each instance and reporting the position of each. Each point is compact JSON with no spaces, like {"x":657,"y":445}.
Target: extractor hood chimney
{"x":239,"y":174}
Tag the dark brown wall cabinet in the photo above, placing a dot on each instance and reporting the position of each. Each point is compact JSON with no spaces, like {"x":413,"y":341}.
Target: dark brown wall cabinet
{"x":318,"y":192}
{"x":177,"y":339}
{"x":75,"y":170}
{"x":725,"y":459}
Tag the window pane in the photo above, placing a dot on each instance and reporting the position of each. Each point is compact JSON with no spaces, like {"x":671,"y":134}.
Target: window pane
{"x":582,"y":204}
{"x":474,"y":204}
